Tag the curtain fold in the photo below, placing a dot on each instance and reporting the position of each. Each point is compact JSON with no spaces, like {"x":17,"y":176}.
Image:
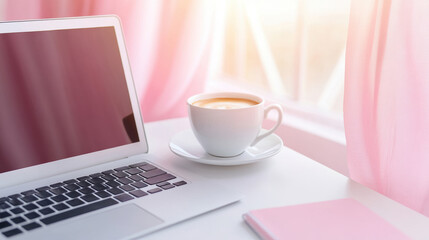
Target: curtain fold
{"x":386,"y":102}
{"x":168,"y":44}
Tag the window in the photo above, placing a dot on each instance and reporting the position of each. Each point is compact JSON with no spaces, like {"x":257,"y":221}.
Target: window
{"x":292,"y":49}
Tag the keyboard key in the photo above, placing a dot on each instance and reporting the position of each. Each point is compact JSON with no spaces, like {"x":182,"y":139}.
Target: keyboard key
{"x":115,"y":191}
{"x":32,"y":215}
{"x":43,"y":194}
{"x":59,"y":198}
{"x":90,"y":198}
{"x":113,"y":184}
{"x":159,"y":179}
{"x":46,"y":211}
{"x":45,"y":188}
{"x":99,"y":187}
{"x":83,"y":178}
{"x":121,"y":168}
{"x":29,"y":198}
{"x":72,"y":187}
{"x":14,"y":201}
{"x":18,"y":220}
{"x":75,"y":202}
{"x":138,"y":193}
{"x":138,"y":164}
{"x":15,"y":196}
{"x":83,"y":184}
{"x":73,"y":194}
{"x":12,"y":232}
{"x":31,"y":226}
{"x":29,"y":192}
{"x":44,"y":202}
{"x":167,"y":186}
{"x":79,"y":211}
{"x":124,"y":180}
{"x":133,"y":171}
{"x":162,"y":184}
{"x":56,"y":185}
{"x":96,"y":180}
{"x":60,"y":206}
{"x":152,"y":173}
{"x":17,"y":210}
{"x":108,"y":177}
{"x":126,"y":188}
{"x":30,"y":206}
{"x":71,"y":181}
{"x":96,"y":175}
{"x":123,"y":197}
{"x":135,"y":178}
{"x":58,"y":191}
{"x":4,"y":205}
{"x":103,"y":194}
{"x":179,"y":183}
{"x":4,"y":215}
{"x":86,"y":191}
{"x":155,"y":190}
{"x":5,"y":224}
{"x":147,"y":167}
{"x":108,"y":172}
{"x":120,"y":174}
{"x":139,"y":184}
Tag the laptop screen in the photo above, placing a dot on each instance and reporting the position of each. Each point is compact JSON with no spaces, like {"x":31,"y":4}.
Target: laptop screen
{"x":63,"y":93}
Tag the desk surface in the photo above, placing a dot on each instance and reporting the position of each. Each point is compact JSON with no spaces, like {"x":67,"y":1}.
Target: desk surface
{"x":286,"y":179}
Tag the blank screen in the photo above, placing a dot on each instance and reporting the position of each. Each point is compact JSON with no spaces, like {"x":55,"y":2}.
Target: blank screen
{"x":63,"y":93}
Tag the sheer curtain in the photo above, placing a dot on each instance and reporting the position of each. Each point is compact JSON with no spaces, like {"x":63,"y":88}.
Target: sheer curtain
{"x":386,"y":105}
{"x":168,"y":43}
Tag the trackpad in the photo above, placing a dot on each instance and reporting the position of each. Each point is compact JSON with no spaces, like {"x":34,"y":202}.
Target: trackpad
{"x":117,"y":223}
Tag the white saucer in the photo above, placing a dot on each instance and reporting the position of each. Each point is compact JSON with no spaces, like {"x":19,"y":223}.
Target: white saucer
{"x":185,"y":144}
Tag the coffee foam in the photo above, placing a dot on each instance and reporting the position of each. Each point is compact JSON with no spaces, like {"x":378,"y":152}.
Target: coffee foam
{"x":224,"y":103}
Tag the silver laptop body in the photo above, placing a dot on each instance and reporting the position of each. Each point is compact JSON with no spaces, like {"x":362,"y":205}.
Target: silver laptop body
{"x":74,"y":159}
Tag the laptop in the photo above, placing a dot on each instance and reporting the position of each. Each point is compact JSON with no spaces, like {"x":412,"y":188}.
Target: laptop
{"x":74,"y":157}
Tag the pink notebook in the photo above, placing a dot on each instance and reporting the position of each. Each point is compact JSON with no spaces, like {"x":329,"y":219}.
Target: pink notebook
{"x":336,"y":219}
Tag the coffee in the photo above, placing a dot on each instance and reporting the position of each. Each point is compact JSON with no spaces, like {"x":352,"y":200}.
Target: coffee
{"x":225,"y":103}
{"x":227,"y":123}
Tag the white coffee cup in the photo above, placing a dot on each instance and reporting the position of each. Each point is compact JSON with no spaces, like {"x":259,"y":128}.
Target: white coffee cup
{"x":227,"y":130}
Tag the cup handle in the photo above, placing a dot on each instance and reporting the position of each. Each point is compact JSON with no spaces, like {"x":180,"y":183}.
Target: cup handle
{"x":279,"y":110}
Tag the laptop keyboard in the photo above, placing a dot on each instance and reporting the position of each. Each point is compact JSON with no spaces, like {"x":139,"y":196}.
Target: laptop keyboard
{"x":46,"y":205}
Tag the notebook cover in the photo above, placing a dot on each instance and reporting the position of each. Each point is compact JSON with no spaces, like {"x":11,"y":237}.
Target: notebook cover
{"x":336,"y":219}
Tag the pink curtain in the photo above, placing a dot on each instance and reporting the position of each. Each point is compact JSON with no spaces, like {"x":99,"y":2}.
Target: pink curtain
{"x":168,"y":44}
{"x":386,"y":105}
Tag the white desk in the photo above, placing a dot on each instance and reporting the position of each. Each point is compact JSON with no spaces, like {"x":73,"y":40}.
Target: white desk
{"x":286,"y":179}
